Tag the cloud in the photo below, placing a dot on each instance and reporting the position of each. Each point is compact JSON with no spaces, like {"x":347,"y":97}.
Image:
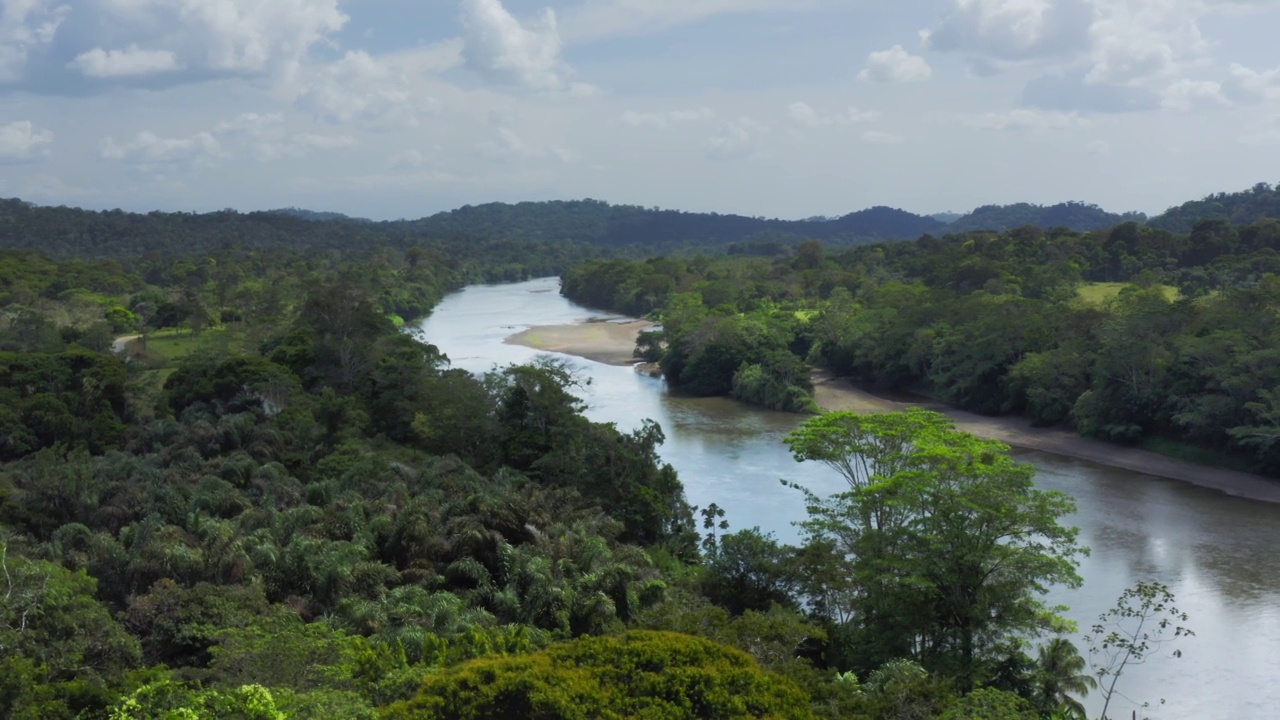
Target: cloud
{"x":26,"y":26}
{"x":1187,"y":95}
{"x":995,"y":33}
{"x":22,"y":140}
{"x":804,"y":115}
{"x":130,"y":62}
{"x":504,"y":50}
{"x":149,"y":149}
{"x":164,"y":41}
{"x":374,"y":92}
{"x":248,"y":124}
{"x":877,"y":137}
{"x":736,"y":140}
{"x":1023,"y":119}
{"x":663,"y":120}
{"x":1245,"y":85}
{"x":895,"y":65}
{"x":507,"y":146}
{"x":596,"y":20}
{"x":302,"y":145}
{"x":1144,"y":41}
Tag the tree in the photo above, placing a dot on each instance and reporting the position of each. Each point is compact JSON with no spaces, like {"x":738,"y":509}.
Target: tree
{"x":1061,"y":675}
{"x":942,"y":537}
{"x":638,"y":674}
{"x":1144,"y":621}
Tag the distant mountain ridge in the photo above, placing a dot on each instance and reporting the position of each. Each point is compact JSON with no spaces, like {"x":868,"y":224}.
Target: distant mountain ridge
{"x":606,"y":228}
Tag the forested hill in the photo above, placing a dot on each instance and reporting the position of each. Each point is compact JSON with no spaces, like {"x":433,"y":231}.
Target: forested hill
{"x":559,"y":228}
{"x":1076,"y":216}
{"x":1238,"y":208}
{"x":652,"y":229}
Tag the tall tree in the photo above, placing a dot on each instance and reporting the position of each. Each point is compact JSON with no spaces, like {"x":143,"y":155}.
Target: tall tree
{"x":947,"y":543}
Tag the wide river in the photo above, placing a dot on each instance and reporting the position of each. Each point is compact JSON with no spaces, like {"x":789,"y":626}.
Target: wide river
{"x":1218,"y":554}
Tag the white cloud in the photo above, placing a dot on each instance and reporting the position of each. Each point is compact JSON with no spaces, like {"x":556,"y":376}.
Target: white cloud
{"x":186,"y":40}
{"x":22,"y":140}
{"x":1246,"y":85}
{"x":663,"y":120}
{"x":895,"y":65}
{"x":26,"y":25}
{"x":596,"y":20}
{"x":994,"y":33}
{"x":130,"y":62}
{"x":301,"y":145}
{"x":248,"y":36}
{"x":1023,"y":119}
{"x":877,"y":137}
{"x":502,"y":49}
{"x":1137,"y":41}
{"x":736,"y":140}
{"x":149,"y":149}
{"x":1187,"y":95}
{"x":375,"y":92}
{"x":507,"y":146}
{"x":804,"y":115}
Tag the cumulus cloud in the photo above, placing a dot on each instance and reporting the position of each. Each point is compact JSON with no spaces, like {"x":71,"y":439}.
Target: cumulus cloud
{"x":895,"y":65}
{"x":22,"y":140}
{"x":1245,"y":85}
{"x":26,"y":26}
{"x":130,"y":62}
{"x":504,"y":50}
{"x":1187,"y":95}
{"x":595,"y":20}
{"x":376,"y":93}
{"x":736,"y":140}
{"x":1023,"y":119}
{"x":805,"y":115}
{"x":994,"y":33}
{"x":663,"y":120}
{"x":178,"y":40}
{"x":149,"y":149}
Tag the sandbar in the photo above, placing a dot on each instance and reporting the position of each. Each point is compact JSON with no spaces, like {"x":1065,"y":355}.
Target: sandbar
{"x":605,"y":341}
{"x":612,"y":343}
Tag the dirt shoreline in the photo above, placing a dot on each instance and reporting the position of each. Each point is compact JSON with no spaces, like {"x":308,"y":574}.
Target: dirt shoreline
{"x":612,"y":342}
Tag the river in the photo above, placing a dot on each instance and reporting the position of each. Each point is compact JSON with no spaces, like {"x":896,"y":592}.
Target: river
{"x":1215,"y":552}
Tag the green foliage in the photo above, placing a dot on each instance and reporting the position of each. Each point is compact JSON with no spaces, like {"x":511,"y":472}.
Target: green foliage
{"x":635,"y":675}
{"x":941,"y":546}
{"x":989,"y":704}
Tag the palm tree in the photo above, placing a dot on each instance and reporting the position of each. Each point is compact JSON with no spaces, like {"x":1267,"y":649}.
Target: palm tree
{"x":1061,"y":676}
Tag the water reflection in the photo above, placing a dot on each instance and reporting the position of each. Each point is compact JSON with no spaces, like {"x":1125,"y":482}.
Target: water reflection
{"x":1215,"y":552}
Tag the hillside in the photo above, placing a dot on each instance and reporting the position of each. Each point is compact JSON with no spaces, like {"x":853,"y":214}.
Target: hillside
{"x":1238,"y":208}
{"x":1072,"y":215}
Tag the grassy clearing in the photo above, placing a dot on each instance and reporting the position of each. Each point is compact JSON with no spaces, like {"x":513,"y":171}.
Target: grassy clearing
{"x":1100,"y":292}
{"x":164,"y":349}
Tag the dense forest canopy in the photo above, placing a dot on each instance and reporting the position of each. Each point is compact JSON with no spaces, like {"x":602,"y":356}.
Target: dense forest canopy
{"x":232,"y":485}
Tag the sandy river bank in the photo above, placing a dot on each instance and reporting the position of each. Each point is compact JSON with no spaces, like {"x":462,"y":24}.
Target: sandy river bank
{"x":611,"y":342}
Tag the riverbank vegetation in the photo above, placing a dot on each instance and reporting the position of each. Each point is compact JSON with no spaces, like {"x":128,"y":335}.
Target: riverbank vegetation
{"x":279,"y":504}
{"x":1134,"y":335}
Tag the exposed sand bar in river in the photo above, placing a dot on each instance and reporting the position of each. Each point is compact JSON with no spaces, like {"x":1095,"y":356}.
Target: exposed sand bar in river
{"x":612,"y":343}
{"x":604,"y":341}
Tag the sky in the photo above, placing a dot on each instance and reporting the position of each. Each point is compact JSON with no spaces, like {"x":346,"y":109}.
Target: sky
{"x":780,"y":108}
